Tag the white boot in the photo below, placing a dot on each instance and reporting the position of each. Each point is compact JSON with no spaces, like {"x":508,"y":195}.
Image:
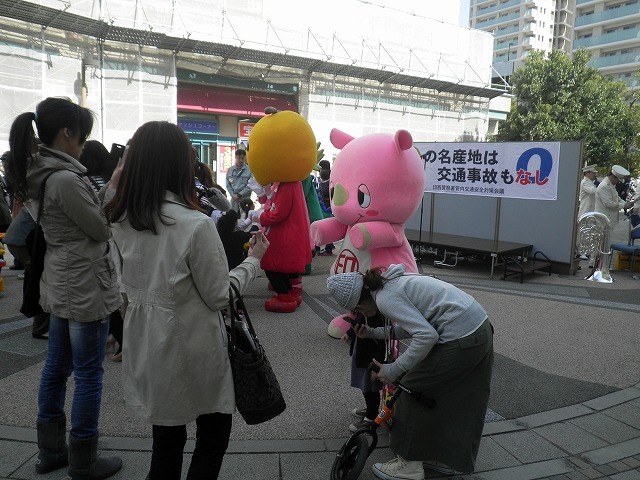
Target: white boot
{"x":399,"y":469}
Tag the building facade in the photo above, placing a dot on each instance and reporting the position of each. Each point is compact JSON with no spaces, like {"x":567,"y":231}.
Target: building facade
{"x":609,"y":29}
{"x":518,"y":26}
{"x":212,"y":66}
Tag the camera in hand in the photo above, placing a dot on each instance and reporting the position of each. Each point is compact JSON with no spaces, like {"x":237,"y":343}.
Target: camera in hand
{"x":358,"y":319}
{"x":203,"y":193}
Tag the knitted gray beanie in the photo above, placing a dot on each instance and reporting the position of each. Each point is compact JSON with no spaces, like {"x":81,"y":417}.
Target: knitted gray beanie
{"x":346,"y":288}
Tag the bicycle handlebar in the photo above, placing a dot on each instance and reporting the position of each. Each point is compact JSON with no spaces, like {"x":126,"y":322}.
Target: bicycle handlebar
{"x":429,"y":402}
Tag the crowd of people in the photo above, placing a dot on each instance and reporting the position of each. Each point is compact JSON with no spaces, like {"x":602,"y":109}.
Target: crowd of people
{"x":108,"y":218}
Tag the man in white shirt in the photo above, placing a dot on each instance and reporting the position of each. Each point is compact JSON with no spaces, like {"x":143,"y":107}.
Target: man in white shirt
{"x":588,"y":190}
{"x":608,"y":201}
{"x":587,"y":198}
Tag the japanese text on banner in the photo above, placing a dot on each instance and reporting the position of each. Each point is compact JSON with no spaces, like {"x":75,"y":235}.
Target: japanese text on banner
{"x":505,"y":170}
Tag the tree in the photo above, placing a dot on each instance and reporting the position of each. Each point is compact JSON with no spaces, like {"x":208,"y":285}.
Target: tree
{"x":558,"y":98}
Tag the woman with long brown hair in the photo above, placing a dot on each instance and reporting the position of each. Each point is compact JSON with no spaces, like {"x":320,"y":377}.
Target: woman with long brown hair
{"x":175,"y":366}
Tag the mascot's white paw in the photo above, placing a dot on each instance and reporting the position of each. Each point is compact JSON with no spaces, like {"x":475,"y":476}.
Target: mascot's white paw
{"x":334,"y":331}
{"x":338,"y":327}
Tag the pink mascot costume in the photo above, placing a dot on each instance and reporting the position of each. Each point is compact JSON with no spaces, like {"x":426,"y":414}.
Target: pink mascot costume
{"x":376,"y":184}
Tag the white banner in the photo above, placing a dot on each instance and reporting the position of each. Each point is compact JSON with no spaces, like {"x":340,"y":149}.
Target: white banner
{"x":504,"y":170}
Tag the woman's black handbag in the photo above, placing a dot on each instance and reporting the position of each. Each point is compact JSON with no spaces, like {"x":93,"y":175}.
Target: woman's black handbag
{"x":258,"y":395}
{"x":38,"y":248}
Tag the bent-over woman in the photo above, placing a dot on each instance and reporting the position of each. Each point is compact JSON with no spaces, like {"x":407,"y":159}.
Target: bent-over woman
{"x":449,"y":359}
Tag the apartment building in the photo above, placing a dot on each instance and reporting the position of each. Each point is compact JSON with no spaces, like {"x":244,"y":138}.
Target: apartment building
{"x":609,"y":29}
{"x":518,"y":26}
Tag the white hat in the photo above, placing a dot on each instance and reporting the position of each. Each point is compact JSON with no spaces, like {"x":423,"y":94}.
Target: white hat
{"x":346,"y":288}
{"x":620,"y":172}
{"x":590,"y":168}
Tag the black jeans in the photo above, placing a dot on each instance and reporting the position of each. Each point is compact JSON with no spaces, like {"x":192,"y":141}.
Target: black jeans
{"x":281,"y":282}
{"x":212,"y":438}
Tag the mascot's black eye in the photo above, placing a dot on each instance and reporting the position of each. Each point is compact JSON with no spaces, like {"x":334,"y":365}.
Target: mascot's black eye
{"x":331,"y":193}
{"x":364,"y":198}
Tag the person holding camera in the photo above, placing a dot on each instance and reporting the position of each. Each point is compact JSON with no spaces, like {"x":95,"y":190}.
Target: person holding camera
{"x":449,"y":359}
{"x":78,"y":287}
{"x":174,"y":323}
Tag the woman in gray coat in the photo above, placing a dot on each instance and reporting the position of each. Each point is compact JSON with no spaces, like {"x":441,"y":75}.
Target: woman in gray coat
{"x":175,"y":363}
{"x":78,"y":285}
{"x":450,"y":360}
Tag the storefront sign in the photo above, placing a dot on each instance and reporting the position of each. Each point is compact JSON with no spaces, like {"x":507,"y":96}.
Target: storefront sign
{"x":504,"y":170}
{"x":244,"y":129}
{"x":199,"y":126}
{"x":226,"y":157}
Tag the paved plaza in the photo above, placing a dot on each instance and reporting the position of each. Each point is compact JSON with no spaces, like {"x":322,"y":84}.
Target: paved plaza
{"x":565,"y":400}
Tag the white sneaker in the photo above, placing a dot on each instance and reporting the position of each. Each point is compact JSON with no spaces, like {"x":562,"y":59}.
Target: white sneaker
{"x":359,"y":412}
{"x":358,"y":424}
{"x":399,"y":469}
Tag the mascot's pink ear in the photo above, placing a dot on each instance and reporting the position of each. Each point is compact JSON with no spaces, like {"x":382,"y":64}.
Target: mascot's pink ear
{"x":339,"y":139}
{"x":404,"y":140}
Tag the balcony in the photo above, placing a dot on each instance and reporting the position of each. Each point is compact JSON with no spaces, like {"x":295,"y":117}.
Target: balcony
{"x":505,"y":44}
{"x":630,"y":80}
{"x":565,"y":18}
{"x":618,"y":36}
{"x":562,"y":44}
{"x":581,"y":2}
{"x":506,"y":31}
{"x":494,"y":21}
{"x":611,"y":14}
{"x":497,"y":7}
{"x":563,"y":31}
{"x":615,"y":60}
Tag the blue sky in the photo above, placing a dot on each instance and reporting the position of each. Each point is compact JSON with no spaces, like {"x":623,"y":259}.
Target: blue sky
{"x":464,"y":13}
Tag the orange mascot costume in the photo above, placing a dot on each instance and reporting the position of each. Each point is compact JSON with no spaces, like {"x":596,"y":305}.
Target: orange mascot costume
{"x":282,"y":152}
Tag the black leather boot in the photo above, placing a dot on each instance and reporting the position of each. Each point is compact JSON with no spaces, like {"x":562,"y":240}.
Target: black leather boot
{"x":84,"y":463}
{"x":52,"y":443}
